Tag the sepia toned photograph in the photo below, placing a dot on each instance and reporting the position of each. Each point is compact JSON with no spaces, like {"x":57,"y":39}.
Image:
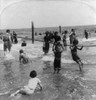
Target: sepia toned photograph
{"x":47,"y":49}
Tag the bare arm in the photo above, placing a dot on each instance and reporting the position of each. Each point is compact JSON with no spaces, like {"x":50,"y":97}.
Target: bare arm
{"x":40,"y":86}
{"x":62,"y":47}
{"x":10,"y":38}
{"x":71,"y":47}
{"x":80,"y":48}
{"x":2,"y":38}
{"x":53,"y":48}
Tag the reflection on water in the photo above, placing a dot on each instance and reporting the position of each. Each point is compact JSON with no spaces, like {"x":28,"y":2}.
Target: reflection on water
{"x":64,"y":87}
{"x":47,"y":66}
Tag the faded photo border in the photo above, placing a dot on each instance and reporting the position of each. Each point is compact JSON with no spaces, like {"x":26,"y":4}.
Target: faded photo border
{"x":46,"y":13}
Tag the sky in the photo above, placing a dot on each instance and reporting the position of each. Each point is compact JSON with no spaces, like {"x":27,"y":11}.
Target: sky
{"x":46,"y":13}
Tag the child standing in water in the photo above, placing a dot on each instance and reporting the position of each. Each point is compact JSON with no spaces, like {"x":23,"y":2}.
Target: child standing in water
{"x":75,"y":57}
{"x":33,"y":84}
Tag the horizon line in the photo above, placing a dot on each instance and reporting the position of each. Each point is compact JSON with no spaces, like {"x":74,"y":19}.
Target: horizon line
{"x":50,"y":26}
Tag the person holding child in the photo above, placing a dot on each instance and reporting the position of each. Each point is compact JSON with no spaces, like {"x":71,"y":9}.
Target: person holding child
{"x":57,"y":49}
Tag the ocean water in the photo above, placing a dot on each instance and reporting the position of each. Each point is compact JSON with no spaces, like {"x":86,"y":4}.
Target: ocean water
{"x":70,"y":84}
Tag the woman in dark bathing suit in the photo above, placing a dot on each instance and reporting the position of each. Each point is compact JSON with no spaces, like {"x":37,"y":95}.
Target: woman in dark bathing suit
{"x":46,"y":43}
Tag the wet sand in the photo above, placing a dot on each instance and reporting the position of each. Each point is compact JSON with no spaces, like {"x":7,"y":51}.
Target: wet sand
{"x":70,"y":84}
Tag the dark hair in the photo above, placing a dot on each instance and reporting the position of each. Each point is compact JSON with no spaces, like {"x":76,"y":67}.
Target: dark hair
{"x":75,"y":42}
{"x":55,"y":33}
{"x":46,"y":32}
{"x":65,"y":31}
{"x":21,"y":51}
{"x":58,"y":42}
{"x":24,"y":41}
{"x":33,"y":74}
{"x":72,"y":29}
{"x":8,"y":30}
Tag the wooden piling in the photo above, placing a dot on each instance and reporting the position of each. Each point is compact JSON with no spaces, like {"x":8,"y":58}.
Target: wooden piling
{"x":60,"y":29}
{"x":32,"y":32}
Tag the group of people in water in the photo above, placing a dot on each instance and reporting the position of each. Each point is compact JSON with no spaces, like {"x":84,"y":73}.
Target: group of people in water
{"x":9,"y":38}
{"x":34,"y":83}
{"x":59,"y":44}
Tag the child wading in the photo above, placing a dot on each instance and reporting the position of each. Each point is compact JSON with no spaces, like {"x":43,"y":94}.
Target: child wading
{"x":24,"y":45}
{"x":33,"y":85}
{"x":75,"y":57}
{"x":22,"y":57}
{"x":57,"y":49}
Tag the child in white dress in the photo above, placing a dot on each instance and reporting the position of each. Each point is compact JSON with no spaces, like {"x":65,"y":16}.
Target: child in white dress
{"x":33,"y":84}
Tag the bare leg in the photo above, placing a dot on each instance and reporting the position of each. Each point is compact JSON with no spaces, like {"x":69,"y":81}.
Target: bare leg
{"x":14,"y":94}
{"x":80,"y":65}
{"x":80,"y":68}
{"x":5,"y":52}
{"x":58,"y":70}
{"x":54,"y":70}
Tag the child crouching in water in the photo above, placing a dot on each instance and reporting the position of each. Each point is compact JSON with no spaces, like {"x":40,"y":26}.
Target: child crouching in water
{"x":33,"y":85}
{"x":22,"y":57}
{"x":75,"y":57}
